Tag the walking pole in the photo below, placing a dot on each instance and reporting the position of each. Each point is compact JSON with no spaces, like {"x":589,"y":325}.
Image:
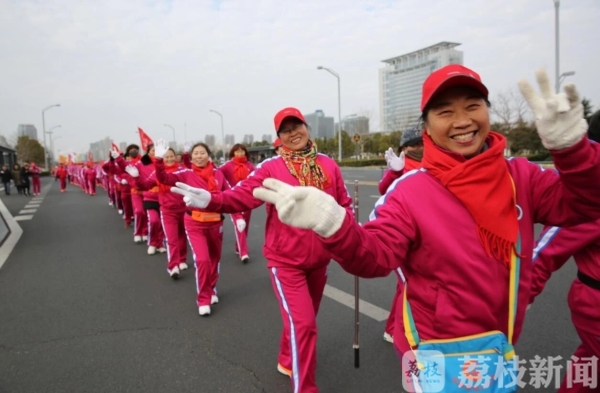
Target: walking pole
{"x":356,"y":298}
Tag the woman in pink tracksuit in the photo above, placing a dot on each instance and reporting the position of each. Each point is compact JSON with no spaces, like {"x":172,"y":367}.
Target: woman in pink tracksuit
{"x":132,"y":158}
{"x":409,"y":158}
{"x":204,"y":227}
{"x":140,"y":230}
{"x":35,"y":172}
{"x":235,"y":170}
{"x":90,"y":179}
{"x":108,"y":168}
{"x":156,"y":236}
{"x":454,"y":226}
{"x":172,"y":211}
{"x":554,"y":248}
{"x":296,"y":259}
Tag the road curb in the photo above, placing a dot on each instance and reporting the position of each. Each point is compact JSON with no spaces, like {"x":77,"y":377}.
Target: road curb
{"x":14,"y":233}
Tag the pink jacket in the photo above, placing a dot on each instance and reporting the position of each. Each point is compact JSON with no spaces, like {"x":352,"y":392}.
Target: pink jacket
{"x":35,"y":171}
{"x":388,"y":178}
{"x":145,"y":171}
{"x":554,"y":248}
{"x":188,"y":176}
{"x":284,"y":245}
{"x":168,"y":200}
{"x":455,"y":288}
{"x":228,"y":169}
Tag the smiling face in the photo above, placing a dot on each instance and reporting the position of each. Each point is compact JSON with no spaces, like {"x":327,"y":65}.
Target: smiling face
{"x":458,"y":120}
{"x":200,"y":156}
{"x":239,"y":153}
{"x":169,"y":157}
{"x":294,"y":134}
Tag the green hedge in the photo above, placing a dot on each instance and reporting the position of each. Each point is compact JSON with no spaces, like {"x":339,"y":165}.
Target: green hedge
{"x":357,"y":163}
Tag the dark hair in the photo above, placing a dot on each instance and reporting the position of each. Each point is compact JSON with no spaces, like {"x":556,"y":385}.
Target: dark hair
{"x":173,"y":150}
{"x":149,"y":147}
{"x":204,"y":145}
{"x":236,"y":147}
{"x":131,"y":147}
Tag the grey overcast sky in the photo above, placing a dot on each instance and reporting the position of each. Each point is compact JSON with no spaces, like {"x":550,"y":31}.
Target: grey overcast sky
{"x":114,"y":65}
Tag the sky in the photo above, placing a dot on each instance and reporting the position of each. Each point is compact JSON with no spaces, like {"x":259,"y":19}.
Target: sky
{"x":116,"y":65}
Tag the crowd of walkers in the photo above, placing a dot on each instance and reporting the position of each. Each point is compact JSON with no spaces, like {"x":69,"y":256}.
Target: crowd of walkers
{"x":455,"y":224}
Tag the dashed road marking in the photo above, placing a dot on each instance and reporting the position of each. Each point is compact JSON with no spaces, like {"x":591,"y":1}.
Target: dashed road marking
{"x":27,"y":211}
{"x":24,"y":217}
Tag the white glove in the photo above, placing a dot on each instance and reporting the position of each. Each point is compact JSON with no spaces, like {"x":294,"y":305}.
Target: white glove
{"x":123,"y":181}
{"x":193,"y":197}
{"x":240,"y":225}
{"x":114,"y":154}
{"x":187,"y":147}
{"x":394,"y":162}
{"x":133,"y":171}
{"x":559,"y":117}
{"x":160,"y":148}
{"x":303,"y":207}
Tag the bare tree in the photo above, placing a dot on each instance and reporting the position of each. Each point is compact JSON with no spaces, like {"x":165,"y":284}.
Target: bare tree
{"x":508,"y":109}
{"x":401,"y":120}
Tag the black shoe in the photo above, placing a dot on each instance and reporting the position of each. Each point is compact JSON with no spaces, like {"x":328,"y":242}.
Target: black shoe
{"x":245,"y":260}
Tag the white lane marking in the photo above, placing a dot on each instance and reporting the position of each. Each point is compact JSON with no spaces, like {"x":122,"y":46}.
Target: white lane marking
{"x":364,"y":307}
{"x":375,"y":196}
{"x":31,"y":206}
{"x":12,"y":238}
{"x":25,"y":217}
{"x":27,"y":211}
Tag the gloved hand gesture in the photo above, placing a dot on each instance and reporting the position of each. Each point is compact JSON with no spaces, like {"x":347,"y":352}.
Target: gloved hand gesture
{"x":133,"y":171}
{"x":240,"y":224}
{"x":193,"y":197}
{"x":303,"y":207}
{"x":558,"y":117}
{"x":394,"y":162}
{"x":160,"y":148}
{"x":114,"y":154}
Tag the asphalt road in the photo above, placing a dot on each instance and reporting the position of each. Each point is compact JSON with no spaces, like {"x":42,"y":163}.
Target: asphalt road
{"x":84,"y":309}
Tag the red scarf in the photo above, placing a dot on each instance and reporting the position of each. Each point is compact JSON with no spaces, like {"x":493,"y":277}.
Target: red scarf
{"x":169,"y":169}
{"x":410,"y":164}
{"x":240,"y":171}
{"x":208,"y":174}
{"x":484,"y":185}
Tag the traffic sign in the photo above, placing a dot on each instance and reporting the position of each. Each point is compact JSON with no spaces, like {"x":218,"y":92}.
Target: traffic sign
{"x":356,"y":138}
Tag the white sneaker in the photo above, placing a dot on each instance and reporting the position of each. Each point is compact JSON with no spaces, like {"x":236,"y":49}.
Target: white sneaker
{"x":214,"y":299}
{"x":137,"y":239}
{"x":204,"y":310}
{"x":174,"y":273}
{"x":162,"y":250}
{"x":284,"y":371}
{"x":110,"y":203}
{"x":144,"y":238}
{"x":151,"y":250}
{"x":183,"y":266}
{"x":387,"y":337}
{"x":121,"y":212}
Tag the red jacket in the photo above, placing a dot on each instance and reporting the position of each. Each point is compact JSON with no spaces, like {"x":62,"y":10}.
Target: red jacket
{"x":285,"y":245}
{"x":228,"y":170}
{"x":168,"y":200}
{"x":456,"y":289}
{"x":61,"y":173}
{"x":554,"y":248}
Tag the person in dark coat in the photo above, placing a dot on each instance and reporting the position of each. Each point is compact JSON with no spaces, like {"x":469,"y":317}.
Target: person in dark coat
{"x":6,"y":176}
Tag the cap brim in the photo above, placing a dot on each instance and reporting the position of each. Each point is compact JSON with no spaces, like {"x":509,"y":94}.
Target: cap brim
{"x":287,"y":117}
{"x":459,"y":81}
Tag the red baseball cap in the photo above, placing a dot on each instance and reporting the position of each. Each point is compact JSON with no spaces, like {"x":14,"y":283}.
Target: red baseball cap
{"x":285,"y":113}
{"x":450,"y":76}
{"x":277,"y":143}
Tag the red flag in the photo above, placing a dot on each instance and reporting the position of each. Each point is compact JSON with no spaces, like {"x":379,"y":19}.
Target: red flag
{"x":116,"y":148}
{"x":145,"y":140}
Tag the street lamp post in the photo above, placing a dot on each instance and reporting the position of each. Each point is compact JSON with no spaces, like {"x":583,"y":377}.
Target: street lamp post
{"x":222,"y":129}
{"x":332,"y":72}
{"x":557,"y":66}
{"x":49,"y":132}
{"x":44,"y":130}
{"x":562,"y":77}
{"x":172,"y":128}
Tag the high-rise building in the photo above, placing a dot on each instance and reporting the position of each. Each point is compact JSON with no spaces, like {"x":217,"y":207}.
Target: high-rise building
{"x":123,"y":146}
{"x":248,"y":139}
{"x":230,"y":140}
{"x":209,"y":139}
{"x":27,"y":130}
{"x":354,"y":125}
{"x":101,"y":149}
{"x":320,"y":125}
{"x":267,"y":138}
{"x":401,"y":81}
